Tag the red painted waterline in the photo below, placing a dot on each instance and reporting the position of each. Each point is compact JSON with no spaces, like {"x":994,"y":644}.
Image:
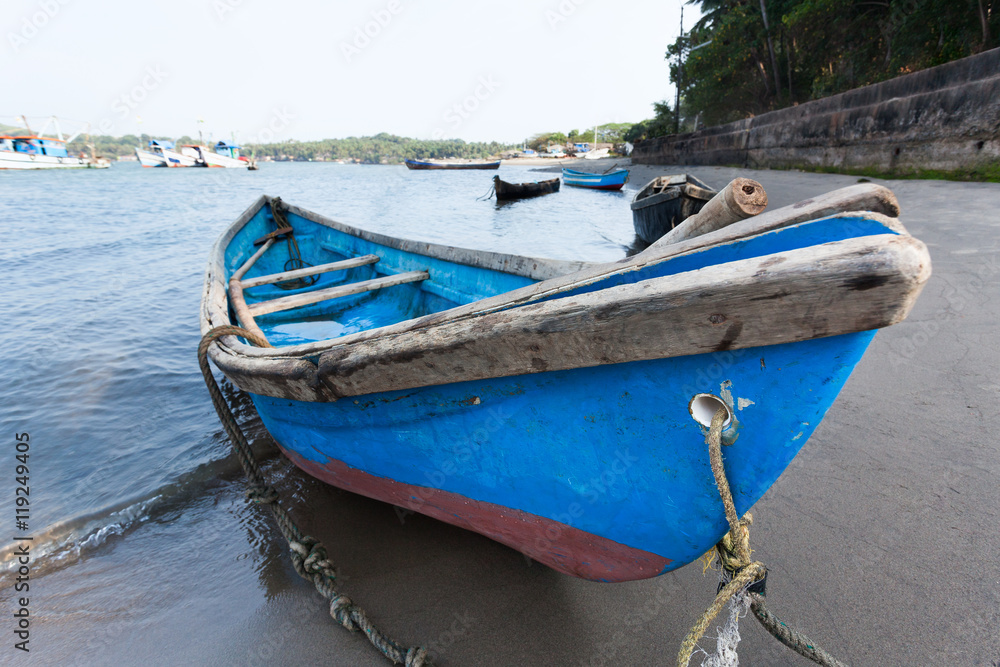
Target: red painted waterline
{"x":560,"y":546}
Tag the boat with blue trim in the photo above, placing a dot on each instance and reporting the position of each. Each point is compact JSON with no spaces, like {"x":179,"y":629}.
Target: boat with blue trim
{"x":162,"y":153}
{"x":613,"y":180}
{"x":31,"y":150}
{"x":560,"y":408}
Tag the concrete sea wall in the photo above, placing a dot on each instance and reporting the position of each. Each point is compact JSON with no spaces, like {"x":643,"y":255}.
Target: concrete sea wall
{"x":943,"y":118}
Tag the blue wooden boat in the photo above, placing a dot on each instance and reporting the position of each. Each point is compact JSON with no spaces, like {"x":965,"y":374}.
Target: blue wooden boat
{"x":453,"y":164}
{"x":559,"y":408}
{"x":614,"y":180}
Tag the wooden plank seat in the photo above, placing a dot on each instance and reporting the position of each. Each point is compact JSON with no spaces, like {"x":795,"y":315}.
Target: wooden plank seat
{"x":351,"y":263}
{"x":306,"y":298}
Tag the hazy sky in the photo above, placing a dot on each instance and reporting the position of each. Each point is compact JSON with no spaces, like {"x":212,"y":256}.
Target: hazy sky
{"x":310,"y":70}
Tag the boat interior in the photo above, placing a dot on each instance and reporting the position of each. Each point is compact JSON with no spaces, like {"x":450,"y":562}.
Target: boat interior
{"x":302,"y":280}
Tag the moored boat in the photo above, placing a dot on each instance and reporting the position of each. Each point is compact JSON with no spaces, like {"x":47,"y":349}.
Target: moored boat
{"x":613,"y":180}
{"x":452,"y":164}
{"x":34,"y":150}
{"x":505,"y":190}
{"x":665,"y":202}
{"x":226,"y":156}
{"x":162,"y":153}
{"x":559,"y":408}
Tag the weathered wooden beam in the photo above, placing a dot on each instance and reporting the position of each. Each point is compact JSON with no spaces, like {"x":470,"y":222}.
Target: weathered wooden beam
{"x":863,"y":197}
{"x":306,"y":298}
{"x":740,"y":199}
{"x":236,"y":300}
{"x":826,"y":290}
{"x":310,"y":271}
{"x":247,"y":265}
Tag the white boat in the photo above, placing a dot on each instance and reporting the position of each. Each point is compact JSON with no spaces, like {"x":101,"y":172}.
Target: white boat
{"x":32,"y":150}
{"x":161,"y":153}
{"x":164,"y":154}
{"x":596,"y":154}
{"x":227,"y":156}
{"x":150,"y":158}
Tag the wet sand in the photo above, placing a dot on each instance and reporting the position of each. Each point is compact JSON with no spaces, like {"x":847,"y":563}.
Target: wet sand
{"x":881,"y":537}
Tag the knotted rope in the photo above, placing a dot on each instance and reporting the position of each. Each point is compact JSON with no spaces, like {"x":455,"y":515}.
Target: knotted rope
{"x":734,"y":553}
{"x":308,"y":554}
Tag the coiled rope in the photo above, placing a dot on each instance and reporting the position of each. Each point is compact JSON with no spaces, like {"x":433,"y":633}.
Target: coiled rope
{"x":734,"y":553}
{"x":308,"y":555}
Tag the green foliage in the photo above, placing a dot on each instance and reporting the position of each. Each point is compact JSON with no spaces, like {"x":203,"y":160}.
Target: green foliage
{"x":574,"y":136}
{"x":540,"y":142}
{"x":383,"y":148}
{"x":661,"y":124}
{"x":114,"y":146}
{"x":821,"y":47}
{"x":380,"y":149}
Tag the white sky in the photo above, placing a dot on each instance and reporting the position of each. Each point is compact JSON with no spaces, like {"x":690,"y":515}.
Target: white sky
{"x":294,"y":70}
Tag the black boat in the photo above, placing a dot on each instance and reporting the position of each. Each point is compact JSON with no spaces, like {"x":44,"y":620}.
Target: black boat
{"x":507,"y":190}
{"x":665,"y":202}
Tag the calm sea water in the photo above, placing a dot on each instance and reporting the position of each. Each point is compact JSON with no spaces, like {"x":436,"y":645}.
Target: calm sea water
{"x":104,"y":276}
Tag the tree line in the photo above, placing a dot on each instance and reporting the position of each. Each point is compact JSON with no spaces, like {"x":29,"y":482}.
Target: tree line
{"x":747,"y":57}
{"x":381,"y":149}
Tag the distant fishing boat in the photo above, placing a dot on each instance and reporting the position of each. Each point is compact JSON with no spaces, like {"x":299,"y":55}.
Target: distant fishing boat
{"x":559,"y":408}
{"x":505,"y":190}
{"x":32,"y":150}
{"x":448,"y":164}
{"x":162,"y":153}
{"x":665,"y":202}
{"x":584,"y":179}
{"x":228,"y":156}
{"x":225,"y":156}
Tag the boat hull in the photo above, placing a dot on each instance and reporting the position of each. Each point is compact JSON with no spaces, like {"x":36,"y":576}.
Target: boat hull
{"x":507,"y":191}
{"x":600,"y":473}
{"x":217,"y":161}
{"x":581,"y":179}
{"x":426,"y":164}
{"x":12,"y":160}
{"x":147,"y":159}
{"x":564,"y":418}
{"x":656,"y":213}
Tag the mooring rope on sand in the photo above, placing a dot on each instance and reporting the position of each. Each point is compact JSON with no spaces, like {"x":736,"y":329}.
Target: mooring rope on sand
{"x":308,"y":554}
{"x":310,"y":559}
{"x":734,"y":553}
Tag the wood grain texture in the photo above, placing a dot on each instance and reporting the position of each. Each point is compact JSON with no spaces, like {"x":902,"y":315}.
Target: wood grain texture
{"x":352,"y":364}
{"x":841,"y":287}
{"x":310,"y":271}
{"x":862,"y":197}
{"x":306,"y":298}
{"x":740,"y":199}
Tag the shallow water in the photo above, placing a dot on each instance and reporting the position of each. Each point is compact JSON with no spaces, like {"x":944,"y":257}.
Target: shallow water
{"x":105,"y":273}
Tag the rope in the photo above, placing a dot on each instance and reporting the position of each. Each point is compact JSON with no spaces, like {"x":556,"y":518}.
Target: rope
{"x":488,"y":194}
{"x":308,"y":555}
{"x":734,"y":553}
{"x":294,"y":254}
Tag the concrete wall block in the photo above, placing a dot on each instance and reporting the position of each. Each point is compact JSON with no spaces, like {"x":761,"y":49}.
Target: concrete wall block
{"x":945,"y":117}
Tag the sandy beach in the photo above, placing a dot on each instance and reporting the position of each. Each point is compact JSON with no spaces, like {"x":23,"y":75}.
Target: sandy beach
{"x":880,"y":537}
